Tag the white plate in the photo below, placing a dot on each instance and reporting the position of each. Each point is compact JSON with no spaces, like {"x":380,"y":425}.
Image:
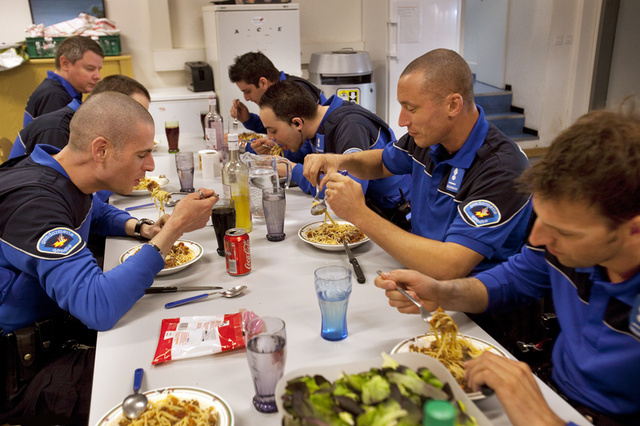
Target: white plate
{"x":205,"y":398}
{"x":197,"y":249}
{"x":162,"y":181}
{"x":330,"y":247}
{"x":409,"y":359}
{"x":426,"y":339}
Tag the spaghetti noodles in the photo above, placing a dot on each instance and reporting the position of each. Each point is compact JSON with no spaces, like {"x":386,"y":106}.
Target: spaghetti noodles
{"x":179,"y":255}
{"x":276,"y":150}
{"x":334,"y":233}
{"x":448,"y":347}
{"x":175,"y":412}
{"x":159,"y":196}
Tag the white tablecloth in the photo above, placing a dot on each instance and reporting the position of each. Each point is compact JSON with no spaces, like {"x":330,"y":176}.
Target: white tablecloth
{"x":280,"y":284}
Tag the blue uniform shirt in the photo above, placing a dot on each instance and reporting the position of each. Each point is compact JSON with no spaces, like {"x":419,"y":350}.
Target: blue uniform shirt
{"x":596,"y":357}
{"x":53,"y":93}
{"x":468,"y":198}
{"x":45,"y":266}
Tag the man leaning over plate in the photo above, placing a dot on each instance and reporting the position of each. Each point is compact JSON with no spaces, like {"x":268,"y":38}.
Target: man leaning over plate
{"x":52,"y":290}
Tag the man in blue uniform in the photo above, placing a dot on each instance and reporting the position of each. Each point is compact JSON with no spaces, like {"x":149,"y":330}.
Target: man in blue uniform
{"x":53,"y":128}
{"x":254,"y":73}
{"x":584,"y":250}
{"x":465,"y":216}
{"x":48,"y":274}
{"x":292,"y":118}
{"x":78,"y":62}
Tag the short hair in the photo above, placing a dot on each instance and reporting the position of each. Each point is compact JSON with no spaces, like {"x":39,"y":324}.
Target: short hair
{"x":445,"y":72}
{"x":252,"y":66}
{"x":288,"y":100}
{"x":74,"y":47}
{"x":121,"y":84}
{"x":596,"y":161}
{"x":112,"y":115}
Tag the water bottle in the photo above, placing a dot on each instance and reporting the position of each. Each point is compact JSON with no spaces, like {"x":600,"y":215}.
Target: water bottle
{"x":235,"y":184}
{"x":214,"y":130}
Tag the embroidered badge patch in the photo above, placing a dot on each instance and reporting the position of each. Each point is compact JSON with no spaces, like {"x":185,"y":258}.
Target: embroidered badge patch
{"x":59,"y":241}
{"x":482,"y":212}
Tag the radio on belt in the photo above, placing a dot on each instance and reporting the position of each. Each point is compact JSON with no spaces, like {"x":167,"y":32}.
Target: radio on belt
{"x":237,"y":252}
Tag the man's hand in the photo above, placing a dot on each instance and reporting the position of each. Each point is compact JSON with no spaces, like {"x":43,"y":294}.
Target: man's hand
{"x":345,"y":197}
{"x":239,"y":111}
{"x":262,"y":146}
{"x":317,"y":164}
{"x":424,"y":289}
{"x":193,"y":212}
{"x":515,"y":386}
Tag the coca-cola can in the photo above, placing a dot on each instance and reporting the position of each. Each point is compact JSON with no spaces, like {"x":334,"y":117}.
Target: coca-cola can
{"x":237,"y":253}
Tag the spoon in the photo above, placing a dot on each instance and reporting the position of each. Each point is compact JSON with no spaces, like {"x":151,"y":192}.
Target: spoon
{"x":426,"y":315}
{"x":318,"y":206}
{"x":135,"y":404}
{"x":229,"y":293}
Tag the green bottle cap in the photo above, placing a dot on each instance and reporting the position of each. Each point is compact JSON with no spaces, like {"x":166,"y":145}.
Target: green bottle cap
{"x":438,"y":413}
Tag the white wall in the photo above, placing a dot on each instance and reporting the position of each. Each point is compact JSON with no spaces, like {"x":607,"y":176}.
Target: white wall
{"x":551,"y":80}
{"x":625,"y":63}
{"x":550,"y":48}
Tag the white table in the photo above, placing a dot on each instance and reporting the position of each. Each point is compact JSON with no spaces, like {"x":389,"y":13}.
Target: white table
{"x":280,"y":284}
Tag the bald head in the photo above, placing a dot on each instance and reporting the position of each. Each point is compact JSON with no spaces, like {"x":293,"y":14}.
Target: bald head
{"x":111,"y":115}
{"x":444,"y":72}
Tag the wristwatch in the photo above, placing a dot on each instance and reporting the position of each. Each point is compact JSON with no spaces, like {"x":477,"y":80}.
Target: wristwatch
{"x":139,"y":224}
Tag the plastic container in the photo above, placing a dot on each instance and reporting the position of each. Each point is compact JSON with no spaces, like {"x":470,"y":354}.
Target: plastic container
{"x":41,"y":47}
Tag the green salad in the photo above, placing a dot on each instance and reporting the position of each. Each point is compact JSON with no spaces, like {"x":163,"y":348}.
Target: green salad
{"x":391,"y":395}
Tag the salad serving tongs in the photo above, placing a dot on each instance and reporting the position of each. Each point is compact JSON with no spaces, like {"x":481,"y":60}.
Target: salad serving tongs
{"x":426,"y":315}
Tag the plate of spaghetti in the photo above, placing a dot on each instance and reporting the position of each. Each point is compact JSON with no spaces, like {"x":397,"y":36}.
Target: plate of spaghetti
{"x":183,"y":254}
{"x":141,"y":187}
{"x":452,"y":349}
{"x":329,"y":234}
{"x":176,"y":405}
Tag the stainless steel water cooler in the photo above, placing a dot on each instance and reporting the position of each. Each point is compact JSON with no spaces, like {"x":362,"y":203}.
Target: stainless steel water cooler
{"x":346,"y":73}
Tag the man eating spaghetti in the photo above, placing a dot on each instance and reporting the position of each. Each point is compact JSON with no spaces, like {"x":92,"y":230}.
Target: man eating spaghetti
{"x":52,"y":290}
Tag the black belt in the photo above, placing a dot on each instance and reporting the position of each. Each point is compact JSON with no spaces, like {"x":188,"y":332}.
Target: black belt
{"x":26,"y":350}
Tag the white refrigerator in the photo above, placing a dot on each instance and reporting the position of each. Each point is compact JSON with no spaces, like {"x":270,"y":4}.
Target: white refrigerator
{"x":232,"y":30}
{"x":398,"y":31}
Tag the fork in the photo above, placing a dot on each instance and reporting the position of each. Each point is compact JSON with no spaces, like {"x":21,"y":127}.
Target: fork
{"x":426,"y":315}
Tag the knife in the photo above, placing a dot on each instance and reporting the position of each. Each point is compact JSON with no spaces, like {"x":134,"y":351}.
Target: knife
{"x":356,"y":266}
{"x":141,"y":206}
{"x":152,"y":290}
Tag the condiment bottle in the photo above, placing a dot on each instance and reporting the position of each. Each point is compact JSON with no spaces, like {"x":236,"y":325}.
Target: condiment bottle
{"x":438,"y":413}
{"x":214,"y":129}
{"x":235,"y":184}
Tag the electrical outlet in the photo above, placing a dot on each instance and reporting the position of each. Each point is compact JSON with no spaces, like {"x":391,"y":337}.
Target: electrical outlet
{"x":558,"y":40}
{"x":568,"y":39}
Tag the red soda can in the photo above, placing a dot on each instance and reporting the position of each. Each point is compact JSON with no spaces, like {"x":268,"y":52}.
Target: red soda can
{"x":236,"y":252}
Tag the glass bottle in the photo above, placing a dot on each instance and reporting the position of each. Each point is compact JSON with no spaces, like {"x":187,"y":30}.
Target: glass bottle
{"x":214,"y":130}
{"x":235,"y":184}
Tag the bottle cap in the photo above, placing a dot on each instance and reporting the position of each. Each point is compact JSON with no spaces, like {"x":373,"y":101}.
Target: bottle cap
{"x":438,"y":413}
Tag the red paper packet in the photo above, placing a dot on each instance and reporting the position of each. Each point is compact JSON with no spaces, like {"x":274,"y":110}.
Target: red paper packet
{"x":189,"y":337}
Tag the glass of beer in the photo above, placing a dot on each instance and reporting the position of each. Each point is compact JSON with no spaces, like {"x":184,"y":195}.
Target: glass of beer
{"x":172,"y":129}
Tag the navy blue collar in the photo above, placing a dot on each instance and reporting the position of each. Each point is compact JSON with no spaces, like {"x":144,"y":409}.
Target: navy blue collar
{"x":67,"y":86}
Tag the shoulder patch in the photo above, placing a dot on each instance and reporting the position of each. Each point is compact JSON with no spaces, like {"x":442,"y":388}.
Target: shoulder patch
{"x":59,"y":241}
{"x":482,"y":212}
{"x":350,"y":150}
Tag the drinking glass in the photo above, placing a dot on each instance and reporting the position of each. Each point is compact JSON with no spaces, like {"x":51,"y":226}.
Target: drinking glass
{"x":274,"y":205}
{"x":333,"y":287}
{"x":223,"y":217}
{"x":172,"y":130}
{"x":263,"y":173}
{"x":185,"y":166}
{"x":266,"y":342}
